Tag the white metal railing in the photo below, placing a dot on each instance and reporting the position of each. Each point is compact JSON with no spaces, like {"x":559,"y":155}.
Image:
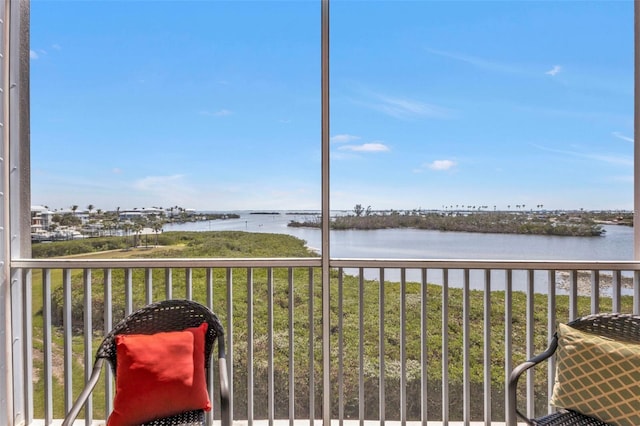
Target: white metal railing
{"x":390,"y":322}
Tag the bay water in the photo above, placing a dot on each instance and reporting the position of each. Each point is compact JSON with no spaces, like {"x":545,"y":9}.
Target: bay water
{"x":616,"y":244}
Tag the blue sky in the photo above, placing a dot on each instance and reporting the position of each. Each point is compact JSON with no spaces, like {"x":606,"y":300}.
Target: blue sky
{"x":215,"y":105}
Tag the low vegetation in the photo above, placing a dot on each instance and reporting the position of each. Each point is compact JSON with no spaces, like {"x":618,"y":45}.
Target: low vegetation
{"x":575,"y":224}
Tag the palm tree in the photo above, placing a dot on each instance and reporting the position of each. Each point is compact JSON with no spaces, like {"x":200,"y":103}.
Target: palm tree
{"x":156,"y":225}
{"x":74,"y":208}
{"x":137,"y":230}
{"x":90,"y":207}
{"x":127,"y":227}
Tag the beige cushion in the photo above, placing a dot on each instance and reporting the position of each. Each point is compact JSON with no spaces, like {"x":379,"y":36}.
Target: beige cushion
{"x":598,"y":377}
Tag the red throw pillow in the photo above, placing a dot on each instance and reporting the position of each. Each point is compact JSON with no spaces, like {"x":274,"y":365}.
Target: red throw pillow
{"x":159,"y":375}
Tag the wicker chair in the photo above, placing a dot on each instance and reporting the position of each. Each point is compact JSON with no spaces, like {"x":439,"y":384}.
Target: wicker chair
{"x":621,"y":327}
{"x":168,"y":315}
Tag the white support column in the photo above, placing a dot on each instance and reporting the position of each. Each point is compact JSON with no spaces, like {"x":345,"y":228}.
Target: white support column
{"x":15,"y":200}
{"x":6,"y":366}
{"x":636,"y":149}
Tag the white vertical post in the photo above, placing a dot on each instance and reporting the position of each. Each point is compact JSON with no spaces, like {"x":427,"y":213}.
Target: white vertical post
{"x":326,"y":221}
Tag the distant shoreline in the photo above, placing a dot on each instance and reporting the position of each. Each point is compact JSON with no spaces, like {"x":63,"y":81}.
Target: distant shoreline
{"x":578,"y":224}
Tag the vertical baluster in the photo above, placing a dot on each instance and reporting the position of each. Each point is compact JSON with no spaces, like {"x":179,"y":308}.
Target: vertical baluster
{"x":381,"y":340}
{"x":188,"y":283}
{"x":292,"y":392}
{"x":128,"y":291}
{"x":250,"y":346}
{"x":230,"y":352}
{"x":27,"y":342}
{"x":466,"y":374}
{"x":209,"y":415}
{"x":529,"y":341}
{"x":312,"y":392}
{"x":636,"y":292}
{"x":573,"y":295}
{"x":88,"y":343}
{"x":487,"y":346}
{"x":168,"y":284}
{"x":423,"y":349}
{"x":595,"y":291}
{"x":403,"y":351}
{"x":270,"y":357}
{"x":508,"y":338}
{"x":108,"y":325}
{"x":67,"y":333}
{"x":616,"y":292}
{"x":209,"y":285}
{"x":361,"y":390}
{"x":340,"y":349}
{"x":148,"y":286}
{"x":47,"y":346}
{"x":551,"y":329}
{"x":445,"y":346}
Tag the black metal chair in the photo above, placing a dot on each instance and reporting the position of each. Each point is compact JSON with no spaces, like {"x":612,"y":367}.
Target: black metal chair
{"x":620,"y":327}
{"x":168,"y":315}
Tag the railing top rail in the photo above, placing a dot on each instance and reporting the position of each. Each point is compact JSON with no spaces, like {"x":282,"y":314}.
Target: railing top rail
{"x":336,"y":263}
{"x":168,"y":263}
{"x":605,"y":265}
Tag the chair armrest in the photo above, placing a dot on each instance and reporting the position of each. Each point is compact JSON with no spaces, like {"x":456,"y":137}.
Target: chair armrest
{"x":84,"y":395}
{"x":515,"y":375}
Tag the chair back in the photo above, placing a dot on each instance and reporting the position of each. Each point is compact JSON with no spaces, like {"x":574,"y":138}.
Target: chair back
{"x":166,"y":315}
{"x":620,"y":327}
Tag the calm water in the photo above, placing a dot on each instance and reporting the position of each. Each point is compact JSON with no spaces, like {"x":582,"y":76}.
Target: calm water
{"x":617,"y":244}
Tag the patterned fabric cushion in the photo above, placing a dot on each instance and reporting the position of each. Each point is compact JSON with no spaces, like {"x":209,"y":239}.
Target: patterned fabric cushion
{"x":598,"y":377}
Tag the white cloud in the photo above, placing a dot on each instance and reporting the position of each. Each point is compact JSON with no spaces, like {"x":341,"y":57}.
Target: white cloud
{"x":623,"y":137}
{"x":554,"y":71}
{"x":441,"y":165}
{"x":611,"y":159}
{"x":622,"y":179}
{"x":400,"y":107}
{"x":219,"y":113}
{"x":156,"y":183}
{"x":116,"y":170}
{"x":605,"y":158}
{"x":343,"y":138}
{"x":476,"y":61}
{"x":405,"y":108}
{"x":366,"y":147}
{"x":41,"y":53}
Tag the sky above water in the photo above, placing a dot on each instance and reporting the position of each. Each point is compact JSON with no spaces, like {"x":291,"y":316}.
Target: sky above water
{"x":215,"y":105}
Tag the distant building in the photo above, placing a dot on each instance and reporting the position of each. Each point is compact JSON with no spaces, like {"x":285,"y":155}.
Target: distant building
{"x":41,"y":218}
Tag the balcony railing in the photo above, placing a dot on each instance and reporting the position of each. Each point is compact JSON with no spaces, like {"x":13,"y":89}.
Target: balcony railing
{"x":410,"y":340}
